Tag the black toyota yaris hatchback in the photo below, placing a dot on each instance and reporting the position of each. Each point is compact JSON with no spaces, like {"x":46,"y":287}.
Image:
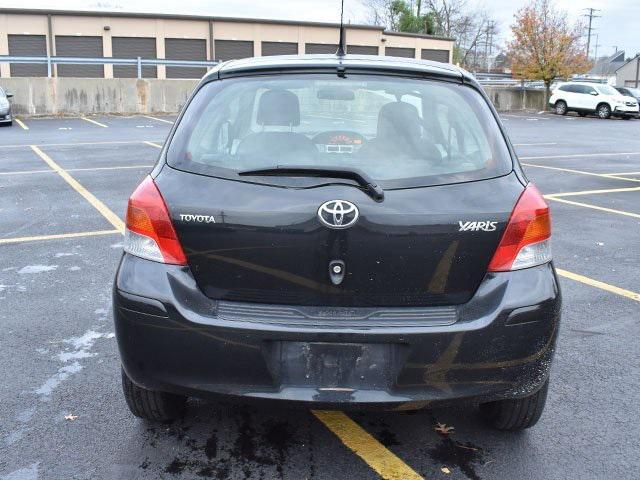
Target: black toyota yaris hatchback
{"x":338,"y":232}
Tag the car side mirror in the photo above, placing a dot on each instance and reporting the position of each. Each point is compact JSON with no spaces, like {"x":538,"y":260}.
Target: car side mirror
{"x":595,"y":94}
{"x":8,"y":95}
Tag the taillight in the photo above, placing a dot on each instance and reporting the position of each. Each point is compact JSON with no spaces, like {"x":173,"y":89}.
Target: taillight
{"x":150,"y":233}
{"x":525,"y":241}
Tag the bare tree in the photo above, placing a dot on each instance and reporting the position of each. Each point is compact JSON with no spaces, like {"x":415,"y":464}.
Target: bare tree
{"x":470,"y":26}
{"x":381,"y":12}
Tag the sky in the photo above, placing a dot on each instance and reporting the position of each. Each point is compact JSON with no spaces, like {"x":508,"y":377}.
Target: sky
{"x":616,"y":27}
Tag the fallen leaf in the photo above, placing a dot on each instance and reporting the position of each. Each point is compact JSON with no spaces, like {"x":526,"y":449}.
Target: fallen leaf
{"x":445,"y":470}
{"x":443,"y":429}
{"x":70,"y":417}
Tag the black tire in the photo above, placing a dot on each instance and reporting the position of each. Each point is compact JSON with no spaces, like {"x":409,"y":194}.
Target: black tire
{"x":518,"y":414}
{"x":561,"y":107}
{"x":603,"y":111}
{"x":152,"y":405}
{"x":626,"y":117}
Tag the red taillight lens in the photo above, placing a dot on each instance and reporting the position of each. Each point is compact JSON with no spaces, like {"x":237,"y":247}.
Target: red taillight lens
{"x":150,"y":233}
{"x":524,"y":242}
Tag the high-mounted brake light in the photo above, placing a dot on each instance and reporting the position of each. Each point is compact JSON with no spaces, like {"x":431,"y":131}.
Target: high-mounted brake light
{"x":150,"y":233}
{"x":525,"y":241}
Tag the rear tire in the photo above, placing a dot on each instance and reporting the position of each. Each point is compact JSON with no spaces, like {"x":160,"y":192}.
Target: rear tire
{"x":152,"y":405}
{"x":561,"y":107}
{"x":603,"y":111}
{"x":517,"y":414}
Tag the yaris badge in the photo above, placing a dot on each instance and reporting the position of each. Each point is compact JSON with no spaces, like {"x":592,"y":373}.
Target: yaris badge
{"x":338,"y":214}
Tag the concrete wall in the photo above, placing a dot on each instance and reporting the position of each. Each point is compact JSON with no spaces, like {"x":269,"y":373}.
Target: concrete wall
{"x":508,"y":99}
{"x":73,"y":96}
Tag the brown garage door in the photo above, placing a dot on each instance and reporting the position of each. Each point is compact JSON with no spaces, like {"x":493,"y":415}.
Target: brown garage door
{"x":320,"y":48}
{"x":185,"y":49}
{"x":400,"y":52}
{"x":133,"y":47}
{"x":233,"y":49}
{"x":435,"y":55}
{"x":27,"y":46}
{"x":87,"y":47}
{"x":279,"y":48}
{"x":362,"y":50}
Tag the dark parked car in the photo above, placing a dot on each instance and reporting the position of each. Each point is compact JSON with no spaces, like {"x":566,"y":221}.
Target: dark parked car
{"x":630,"y":92}
{"x":5,"y":108}
{"x":340,"y":232}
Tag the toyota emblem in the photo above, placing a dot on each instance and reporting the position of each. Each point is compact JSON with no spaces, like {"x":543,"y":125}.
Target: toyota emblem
{"x":338,"y":214}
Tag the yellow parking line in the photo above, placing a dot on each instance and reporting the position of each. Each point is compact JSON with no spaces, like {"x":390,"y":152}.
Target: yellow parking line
{"x":598,"y":284}
{"x":94,"y":122}
{"x":21,"y":123}
{"x":358,"y":440}
{"x":621,"y":173}
{"x":57,"y":236}
{"x":594,"y":207}
{"x":153,"y":144}
{"x":581,"y":172}
{"x":593,"y":192}
{"x":579,"y":155}
{"x":158,"y":119}
{"x":88,"y":196}
{"x":88,"y":169}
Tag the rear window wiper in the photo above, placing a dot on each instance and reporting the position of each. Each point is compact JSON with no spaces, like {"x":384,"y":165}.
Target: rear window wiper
{"x":369,"y":185}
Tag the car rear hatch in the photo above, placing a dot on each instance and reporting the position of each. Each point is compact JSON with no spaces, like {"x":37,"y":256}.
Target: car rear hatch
{"x":263,"y":243}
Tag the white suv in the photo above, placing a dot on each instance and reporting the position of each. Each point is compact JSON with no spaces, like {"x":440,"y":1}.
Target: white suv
{"x":584,"y":98}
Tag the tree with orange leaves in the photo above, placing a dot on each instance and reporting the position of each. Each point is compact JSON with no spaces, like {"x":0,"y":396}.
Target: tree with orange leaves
{"x":545,"y":45}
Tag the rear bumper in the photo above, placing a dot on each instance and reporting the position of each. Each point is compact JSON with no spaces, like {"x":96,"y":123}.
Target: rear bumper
{"x":498,"y":345}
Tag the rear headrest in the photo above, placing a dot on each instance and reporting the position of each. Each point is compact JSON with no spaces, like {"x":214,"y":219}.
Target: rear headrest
{"x":398,"y":121}
{"x":278,"y":107}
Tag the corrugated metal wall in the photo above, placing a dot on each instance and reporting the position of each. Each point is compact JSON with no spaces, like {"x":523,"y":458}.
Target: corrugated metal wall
{"x":88,"y":47}
{"x":133,"y":47}
{"x":362,"y":50}
{"x":185,"y":49}
{"x":28,"y":46}
{"x":400,"y":52}
{"x":320,"y":48}
{"x":436,"y":55}
{"x":233,"y":49}
{"x":279,"y":48}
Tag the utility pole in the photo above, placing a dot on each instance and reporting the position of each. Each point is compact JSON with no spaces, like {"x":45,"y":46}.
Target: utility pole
{"x":595,"y":55}
{"x":591,"y":16}
{"x":637,"y":69}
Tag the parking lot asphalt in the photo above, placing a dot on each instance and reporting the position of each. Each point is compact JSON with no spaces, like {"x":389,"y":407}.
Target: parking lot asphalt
{"x":64,"y":185}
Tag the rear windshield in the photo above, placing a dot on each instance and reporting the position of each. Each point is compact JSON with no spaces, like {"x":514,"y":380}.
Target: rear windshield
{"x":401,"y":132}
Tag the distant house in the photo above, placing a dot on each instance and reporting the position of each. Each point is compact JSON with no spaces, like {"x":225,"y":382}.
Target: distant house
{"x":627,"y":74}
{"x":605,"y":68}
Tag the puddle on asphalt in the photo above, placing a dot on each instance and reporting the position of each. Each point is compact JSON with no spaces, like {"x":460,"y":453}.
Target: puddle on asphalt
{"x":254,"y":450}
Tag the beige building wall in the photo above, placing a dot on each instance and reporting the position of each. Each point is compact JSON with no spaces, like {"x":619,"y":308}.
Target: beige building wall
{"x":108,"y":26}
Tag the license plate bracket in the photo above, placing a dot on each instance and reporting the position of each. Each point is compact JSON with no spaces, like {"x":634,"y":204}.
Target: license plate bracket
{"x":334,"y":366}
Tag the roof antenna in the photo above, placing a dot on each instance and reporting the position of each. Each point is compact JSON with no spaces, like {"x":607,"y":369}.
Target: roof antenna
{"x":341,"y":50}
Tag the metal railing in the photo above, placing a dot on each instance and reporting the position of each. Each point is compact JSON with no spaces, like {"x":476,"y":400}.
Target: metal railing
{"x":138,"y":62}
